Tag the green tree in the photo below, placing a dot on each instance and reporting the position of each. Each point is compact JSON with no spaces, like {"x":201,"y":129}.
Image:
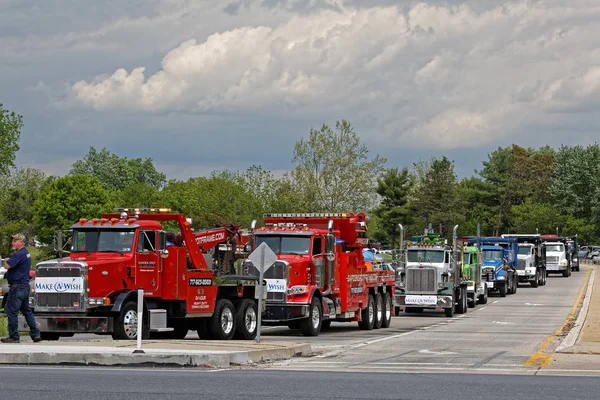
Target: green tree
{"x":435,"y":200}
{"x":10,"y":133}
{"x":333,"y":170}
{"x":576,"y":179}
{"x":18,"y":193}
{"x":274,"y":195}
{"x":62,"y":201}
{"x":220,"y":199}
{"x":138,"y":195}
{"x":476,"y":202}
{"x":116,"y":173}
{"x":394,"y":187}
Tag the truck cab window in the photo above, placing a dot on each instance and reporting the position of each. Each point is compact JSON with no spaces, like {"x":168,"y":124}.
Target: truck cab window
{"x":317,"y":246}
{"x":147,"y":241}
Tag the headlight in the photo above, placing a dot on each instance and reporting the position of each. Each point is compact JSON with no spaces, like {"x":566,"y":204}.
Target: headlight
{"x":563,"y":262}
{"x":298,"y":290}
{"x":575,"y":259}
{"x":501,"y":278}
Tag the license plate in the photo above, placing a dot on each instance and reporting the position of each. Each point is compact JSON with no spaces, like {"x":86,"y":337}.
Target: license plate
{"x":520,"y":272}
{"x":421,"y":300}
{"x":552,"y":267}
{"x":490,"y":284}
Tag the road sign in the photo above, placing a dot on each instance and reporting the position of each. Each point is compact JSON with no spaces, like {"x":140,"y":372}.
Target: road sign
{"x":262,"y":257}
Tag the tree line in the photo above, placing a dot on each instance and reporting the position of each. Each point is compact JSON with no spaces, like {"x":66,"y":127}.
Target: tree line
{"x":516,"y":190}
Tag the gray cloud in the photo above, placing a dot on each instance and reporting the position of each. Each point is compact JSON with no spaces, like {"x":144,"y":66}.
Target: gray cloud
{"x":227,"y":85}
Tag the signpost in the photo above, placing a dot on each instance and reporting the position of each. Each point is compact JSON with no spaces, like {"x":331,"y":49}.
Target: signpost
{"x":262,"y":258}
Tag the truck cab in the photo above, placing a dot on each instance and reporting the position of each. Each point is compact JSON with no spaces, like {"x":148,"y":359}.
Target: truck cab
{"x":320,"y":274}
{"x":557,"y":260}
{"x":497,"y":272}
{"x":430,"y":276}
{"x":526,"y":268}
{"x":472,"y":271}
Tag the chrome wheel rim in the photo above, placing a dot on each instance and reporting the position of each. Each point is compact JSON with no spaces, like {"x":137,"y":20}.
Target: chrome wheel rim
{"x":379,"y":309}
{"x":251,"y":320}
{"x":227,"y":321}
{"x":130,"y":321}
{"x":316,"y":318}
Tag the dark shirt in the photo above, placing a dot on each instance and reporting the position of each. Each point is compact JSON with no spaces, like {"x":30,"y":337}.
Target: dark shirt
{"x":20,"y":264}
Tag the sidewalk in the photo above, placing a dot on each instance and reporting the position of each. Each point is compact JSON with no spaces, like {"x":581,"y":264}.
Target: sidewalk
{"x":182,"y":353}
{"x":581,"y":348}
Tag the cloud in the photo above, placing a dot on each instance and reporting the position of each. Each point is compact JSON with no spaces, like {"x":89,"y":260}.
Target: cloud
{"x":460,"y":75}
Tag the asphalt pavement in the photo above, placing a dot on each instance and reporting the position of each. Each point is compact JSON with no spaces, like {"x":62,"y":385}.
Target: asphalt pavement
{"x":579,"y":348}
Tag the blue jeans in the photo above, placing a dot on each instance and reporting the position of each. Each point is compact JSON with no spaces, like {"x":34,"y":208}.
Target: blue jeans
{"x":18,"y":300}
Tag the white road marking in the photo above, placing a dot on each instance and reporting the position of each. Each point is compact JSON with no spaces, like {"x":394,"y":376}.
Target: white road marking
{"x":439,"y":353}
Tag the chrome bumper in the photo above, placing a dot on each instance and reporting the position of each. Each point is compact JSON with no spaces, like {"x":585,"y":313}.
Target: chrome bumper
{"x":427,"y":301}
{"x":70,"y":324}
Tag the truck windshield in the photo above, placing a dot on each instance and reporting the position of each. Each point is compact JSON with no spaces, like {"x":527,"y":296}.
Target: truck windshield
{"x":524,"y":250}
{"x":493,"y":254}
{"x":555,"y":247}
{"x":286,"y":244}
{"x":107,"y":240}
{"x":434,"y":256}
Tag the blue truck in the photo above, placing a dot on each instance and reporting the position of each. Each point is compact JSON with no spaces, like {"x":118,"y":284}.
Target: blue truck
{"x":500,"y":262}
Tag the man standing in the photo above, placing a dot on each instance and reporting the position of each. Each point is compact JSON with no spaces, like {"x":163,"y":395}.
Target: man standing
{"x":17,"y":275}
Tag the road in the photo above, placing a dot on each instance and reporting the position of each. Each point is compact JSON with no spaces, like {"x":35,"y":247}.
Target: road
{"x":25,"y":383}
{"x":500,"y":337}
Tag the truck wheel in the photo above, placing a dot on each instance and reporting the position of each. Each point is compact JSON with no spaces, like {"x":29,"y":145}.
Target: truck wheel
{"x":246,"y":320}
{"x":544,"y":277}
{"x":471,"y":301}
{"x":461,"y":301}
{"x":387,"y":310}
{"x":126,"y":323}
{"x":449,"y":312}
{"x":397,"y":311}
{"x":483,"y":298}
{"x":367,"y":315}
{"x":378,"y":311}
{"x":566,"y":273}
{"x":222,"y":323}
{"x":503,"y":289}
{"x":515,"y":281}
{"x":311,"y":326}
{"x":536,"y":281}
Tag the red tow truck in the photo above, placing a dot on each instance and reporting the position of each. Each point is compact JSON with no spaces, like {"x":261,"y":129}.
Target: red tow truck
{"x":320,"y":275}
{"x":188,"y":279}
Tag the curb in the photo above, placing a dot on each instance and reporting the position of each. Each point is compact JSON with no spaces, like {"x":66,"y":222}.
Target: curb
{"x":568,"y":345}
{"x":212,"y":359}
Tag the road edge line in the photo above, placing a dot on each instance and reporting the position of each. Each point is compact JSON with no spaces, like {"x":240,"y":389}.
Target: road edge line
{"x":575,"y":332}
{"x":541,"y":359}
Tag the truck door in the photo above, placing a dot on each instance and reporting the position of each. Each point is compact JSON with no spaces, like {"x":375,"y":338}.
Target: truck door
{"x":148,"y":261}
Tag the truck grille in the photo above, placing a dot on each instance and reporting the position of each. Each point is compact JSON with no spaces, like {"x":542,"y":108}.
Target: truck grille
{"x":522,"y":264}
{"x":279,"y":270}
{"x":421,"y":280}
{"x":552,"y":259}
{"x":56,"y":301}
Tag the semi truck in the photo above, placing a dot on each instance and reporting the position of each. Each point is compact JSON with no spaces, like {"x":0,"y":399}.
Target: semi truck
{"x":429,"y":275}
{"x":574,"y":253}
{"x":95,"y":288}
{"x":558,"y":256}
{"x":500,"y":265}
{"x":320,"y":275}
{"x":531,"y":265}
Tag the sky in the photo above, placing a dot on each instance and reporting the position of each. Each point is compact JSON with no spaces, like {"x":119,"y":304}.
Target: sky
{"x":205,"y":85}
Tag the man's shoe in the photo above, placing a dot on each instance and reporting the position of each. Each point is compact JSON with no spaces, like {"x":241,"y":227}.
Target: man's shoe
{"x":36,"y":339}
{"x":10,"y":340}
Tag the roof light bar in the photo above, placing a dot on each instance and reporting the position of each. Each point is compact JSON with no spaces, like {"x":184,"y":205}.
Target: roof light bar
{"x":307,"y":215}
{"x":143,"y":210}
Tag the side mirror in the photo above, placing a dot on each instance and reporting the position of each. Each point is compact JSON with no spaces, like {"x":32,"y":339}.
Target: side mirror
{"x":164,"y":253}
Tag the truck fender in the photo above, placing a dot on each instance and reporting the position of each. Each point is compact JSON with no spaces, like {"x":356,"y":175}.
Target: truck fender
{"x":124,"y":298}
